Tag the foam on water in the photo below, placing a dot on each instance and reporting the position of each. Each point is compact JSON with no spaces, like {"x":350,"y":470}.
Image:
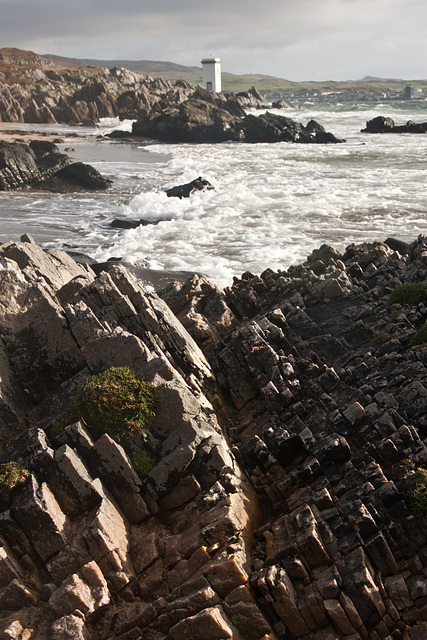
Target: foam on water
{"x":271,"y":206}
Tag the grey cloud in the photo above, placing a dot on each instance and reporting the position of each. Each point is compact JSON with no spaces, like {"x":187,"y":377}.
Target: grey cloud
{"x":298,"y":39}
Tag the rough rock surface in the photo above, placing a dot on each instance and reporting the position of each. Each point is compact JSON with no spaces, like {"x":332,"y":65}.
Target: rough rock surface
{"x":35,"y":90}
{"x":40,"y":165}
{"x":280,"y":503}
{"x":207,"y":117}
{"x":382,"y":124}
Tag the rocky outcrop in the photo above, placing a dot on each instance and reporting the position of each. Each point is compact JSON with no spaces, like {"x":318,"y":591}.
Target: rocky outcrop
{"x":40,"y":165}
{"x":287,"y":448}
{"x":35,"y":90}
{"x":382,"y":124}
{"x":88,"y":549}
{"x":204,"y":117}
{"x":326,"y":398}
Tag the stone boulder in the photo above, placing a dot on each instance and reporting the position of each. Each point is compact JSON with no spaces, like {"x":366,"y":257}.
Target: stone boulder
{"x":40,"y":165}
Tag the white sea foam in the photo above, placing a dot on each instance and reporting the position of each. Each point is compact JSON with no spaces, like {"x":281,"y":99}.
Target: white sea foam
{"x":272,"y":204}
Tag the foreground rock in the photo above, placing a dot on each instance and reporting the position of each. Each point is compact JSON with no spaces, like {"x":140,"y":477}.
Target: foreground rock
{"x":40,"y":165}
{"x":307,"y":384}
{"x":383,"y":124}
{"x":205,"y":117}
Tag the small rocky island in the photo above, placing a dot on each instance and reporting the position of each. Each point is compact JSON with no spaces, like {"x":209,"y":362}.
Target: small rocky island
{"x":382,"y":124}
{"x":286,"y":494}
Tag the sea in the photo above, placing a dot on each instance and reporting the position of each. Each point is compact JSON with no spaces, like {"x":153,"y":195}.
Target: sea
{"x":271,"y":206}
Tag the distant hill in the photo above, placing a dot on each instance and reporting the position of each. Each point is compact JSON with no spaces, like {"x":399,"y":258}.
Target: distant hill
{"x":154,"y":68}
{"x":267,"y":84}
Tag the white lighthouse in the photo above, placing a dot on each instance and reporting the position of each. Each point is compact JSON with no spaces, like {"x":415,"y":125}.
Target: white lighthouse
{"x":212,"y":74}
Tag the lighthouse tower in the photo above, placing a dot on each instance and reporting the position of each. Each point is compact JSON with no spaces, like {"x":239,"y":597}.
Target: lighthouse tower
{"x":212,"y":74}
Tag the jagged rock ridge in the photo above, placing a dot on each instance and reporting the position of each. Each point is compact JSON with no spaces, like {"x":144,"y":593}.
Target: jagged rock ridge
{"x":319,"y":414}
{"x":35,"y":90}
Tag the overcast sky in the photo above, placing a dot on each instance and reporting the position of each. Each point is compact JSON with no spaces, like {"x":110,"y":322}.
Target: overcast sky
{"x":293,"y":39}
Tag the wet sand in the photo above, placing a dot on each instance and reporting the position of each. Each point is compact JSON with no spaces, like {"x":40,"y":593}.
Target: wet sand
{"x":13,"y":132}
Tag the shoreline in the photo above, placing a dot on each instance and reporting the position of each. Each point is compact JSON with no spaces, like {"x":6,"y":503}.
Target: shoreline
{"x":18,"y":132}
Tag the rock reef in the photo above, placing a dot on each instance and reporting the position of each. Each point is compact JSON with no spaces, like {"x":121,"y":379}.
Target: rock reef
{"x":382,"y":124}
{"x":290,"y":434}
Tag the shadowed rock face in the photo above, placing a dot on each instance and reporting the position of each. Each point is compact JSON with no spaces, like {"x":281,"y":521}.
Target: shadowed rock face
{"x":40,"y":165}
{"x":322,"y":396}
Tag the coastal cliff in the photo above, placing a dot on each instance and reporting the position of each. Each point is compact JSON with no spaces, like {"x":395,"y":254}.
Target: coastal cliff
{"x":285,"y":497}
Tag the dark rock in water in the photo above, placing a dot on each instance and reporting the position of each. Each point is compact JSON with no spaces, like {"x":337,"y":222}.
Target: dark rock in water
{"x":184,"y":190}
{"x":40,"y":165}
{"x":21,"y":166}
{"x":85,"y":175}
{"x":397,"y":245}
{"x":326,"y":137}
{"x":120,"y":223}
{"x":267,"y":127}
{"x":117,"y":134}
{"x":313,"y":127}
{"x":117,"y":223}
{"x":381,"y":124}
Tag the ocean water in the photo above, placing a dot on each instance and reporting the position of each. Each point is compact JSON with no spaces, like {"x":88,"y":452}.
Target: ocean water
{"x":272,"y":204}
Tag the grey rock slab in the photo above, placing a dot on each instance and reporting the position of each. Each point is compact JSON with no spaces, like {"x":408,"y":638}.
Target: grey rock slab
{"x":41,"y":518}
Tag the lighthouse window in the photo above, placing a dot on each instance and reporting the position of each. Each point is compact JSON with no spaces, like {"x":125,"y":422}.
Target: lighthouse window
{"x":209,"y":86}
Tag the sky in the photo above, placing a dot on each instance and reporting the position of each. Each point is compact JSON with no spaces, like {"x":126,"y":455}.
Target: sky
{"x":293,"y":39}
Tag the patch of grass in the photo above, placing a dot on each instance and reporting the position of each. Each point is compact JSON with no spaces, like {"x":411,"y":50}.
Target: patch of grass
{"x":419,"y":494}
{"x":116,"y":401}
{"x":402,"y":469}
{"x":383,"y":338}
{"x":420,"y":336}
{"x":12,"y":474}
{"x":408,"y":293}
{"x":142,"y":462}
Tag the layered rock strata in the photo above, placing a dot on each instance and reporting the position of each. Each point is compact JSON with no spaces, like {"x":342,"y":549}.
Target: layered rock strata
{"x":327,"y":402}
{"x":287,"y":447}
{"x":89,"y":549}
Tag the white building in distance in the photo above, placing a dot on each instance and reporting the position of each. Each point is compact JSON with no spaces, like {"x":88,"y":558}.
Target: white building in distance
{"x":212,"y":74}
